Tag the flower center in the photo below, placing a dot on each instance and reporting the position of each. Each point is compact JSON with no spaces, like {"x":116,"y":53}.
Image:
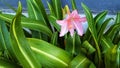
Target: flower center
{"x":70,"y":26}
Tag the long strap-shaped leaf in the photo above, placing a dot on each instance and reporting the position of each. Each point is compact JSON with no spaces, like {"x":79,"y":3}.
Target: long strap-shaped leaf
{"x":99,"y":19}
{"x":114,"y":28}
{"x":103,"y":27}
{"x":56,"y":4}
{"x":5,"y":41}
{"x":36,"y":11}
{"x":73,"y":4}
{"x":73,"y":44}
{"x":90,"y":49}
{"x":49,"y":55}
{"x":7,"y":64}
{"x":80,"y":61}
{"x":20,"y":46}
{"x":28,"y":23}
{"x":106,"y":44}
{"x":92,"y":29}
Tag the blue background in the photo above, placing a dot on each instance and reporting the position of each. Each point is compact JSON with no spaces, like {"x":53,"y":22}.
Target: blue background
{"x":95,"y":5}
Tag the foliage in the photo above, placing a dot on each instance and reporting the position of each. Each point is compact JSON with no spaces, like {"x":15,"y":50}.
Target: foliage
{"x":34,"y":42}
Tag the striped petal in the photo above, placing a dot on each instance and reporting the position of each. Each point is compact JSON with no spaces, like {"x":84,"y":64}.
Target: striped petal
{"x":79,"y":28}
{"x":71,"y":32}
{"x":60,"y":22}
{"x":83,"y":19}
{"x":64,"y":29}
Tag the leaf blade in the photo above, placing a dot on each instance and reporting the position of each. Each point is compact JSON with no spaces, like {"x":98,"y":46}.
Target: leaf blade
{"x":28,"y":23}
{"x":48,"y":54}
{"x":20,"y":46}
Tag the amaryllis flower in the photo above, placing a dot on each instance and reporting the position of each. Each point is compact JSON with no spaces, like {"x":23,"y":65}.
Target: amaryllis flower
{"x":72,"y":22}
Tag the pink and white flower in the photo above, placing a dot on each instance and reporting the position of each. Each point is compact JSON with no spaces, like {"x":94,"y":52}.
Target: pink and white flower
{"x":72,"y":22}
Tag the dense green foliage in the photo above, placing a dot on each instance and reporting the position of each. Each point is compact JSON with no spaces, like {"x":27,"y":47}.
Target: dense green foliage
{"x":41,"y":46}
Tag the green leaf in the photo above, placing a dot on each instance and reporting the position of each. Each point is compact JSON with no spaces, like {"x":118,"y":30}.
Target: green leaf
{"x":90,"y":21}
{"x":73,"y":44}
{"x":49,"y":55}
{"x":89,"y":48}
{"x":99,"y":19}
{"x":103,"y":27}
{"x":118,"y":55}
{"x":57,"y":6}
{"x":106,"y":44}
{"x":117,"y":18}
{"x":20,"y":45}
{"x":7,"y":64}
{"x":52,"y":12}
{"x":54,"y":38}
{"x":92,"y":29}
{"x":92,"y":66}
{"x":116,"y":36}
{"x":28,"y":23}
{"x":5,"y":41}
{"x":112,"y":30}
{"x":80,"y":61}
{"x":112,"y":58}
{"x":36,"y":11}
{"x":73,"y":4}
{"x":52,"y":20}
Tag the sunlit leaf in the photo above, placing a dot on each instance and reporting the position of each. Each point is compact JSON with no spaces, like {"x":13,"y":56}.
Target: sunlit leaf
{"x":28,"y":23}
{"x":103,"y":28}
{"x":57,"y":6}
{"x":80,"y":61}
{"x":114,"y":28}
{"x":52,"y":12}
{"x":117,"y":18}
{"x":92,"y":66}
{"x":106,"y":44}
{"x":73,"y":4}
{"x":52,"y":20}
{"x":72,"y":44}
{"x":90,"y":21}
{"x":112,"y":58}
{"x":20,"y":45}
{"x":89,"y":48}
{"x":92,"y":30}
{"x":99,"y":19}
{"x":116,"y":36}
{"x":66,"y":10}
{"x":36,"y":11}
{"x":5,"y":41}
{"x":49,"y":55}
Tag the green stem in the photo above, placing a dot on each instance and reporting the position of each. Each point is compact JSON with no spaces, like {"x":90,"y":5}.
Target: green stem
{"x":98,"y":53}
{"x":73,"y":50}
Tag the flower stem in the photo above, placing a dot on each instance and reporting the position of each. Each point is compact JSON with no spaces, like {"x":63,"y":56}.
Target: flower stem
{"x":73,"y":49}
{"x":98,"y":54}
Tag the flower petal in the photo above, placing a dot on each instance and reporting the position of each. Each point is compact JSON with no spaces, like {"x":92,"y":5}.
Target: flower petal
{"x":60,"y":22}
{"x":79,"y":28}
{"x":64,"y":29}
{"x":83,"y":19}
{"x":71,"y":32}
{"x":74,"y":13}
